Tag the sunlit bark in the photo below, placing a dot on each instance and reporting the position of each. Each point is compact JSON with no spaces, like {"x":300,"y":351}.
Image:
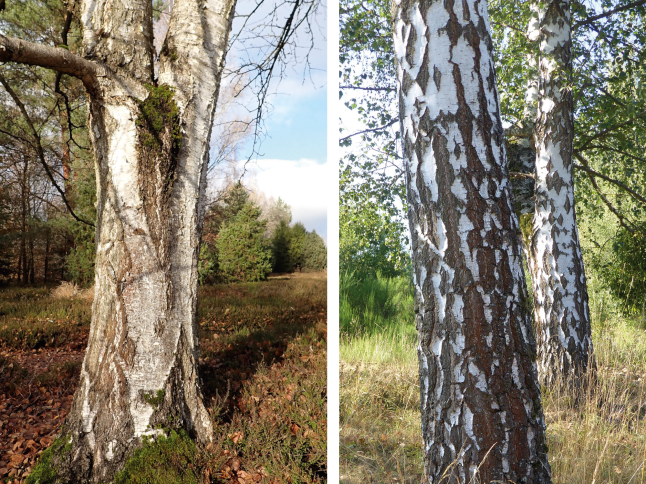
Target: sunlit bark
{"x":482,"y":417}
{"x":140,"y":370}
{"x":561,"y":307}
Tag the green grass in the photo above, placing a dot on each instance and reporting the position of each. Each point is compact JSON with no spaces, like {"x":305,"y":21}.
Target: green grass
{"x":31,"y":318}
{"x":601,"y":440}
{"x":377,"y":321}
{"x":380,"y":437}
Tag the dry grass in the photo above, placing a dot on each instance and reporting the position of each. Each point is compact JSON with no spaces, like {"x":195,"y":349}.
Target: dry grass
{"x":594,"y":436}
{"x":321,"y":275}
{"x":380,"y":437}
{"x":69,"y":290}
{"x":602,"y":439}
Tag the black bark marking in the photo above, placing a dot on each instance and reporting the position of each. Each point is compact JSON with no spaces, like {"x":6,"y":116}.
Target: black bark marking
{"x":437,"y":77}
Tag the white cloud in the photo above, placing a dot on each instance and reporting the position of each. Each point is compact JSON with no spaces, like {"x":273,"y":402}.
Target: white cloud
{"x":303,"y":184}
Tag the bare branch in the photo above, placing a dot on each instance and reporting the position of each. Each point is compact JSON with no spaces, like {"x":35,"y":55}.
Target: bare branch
{"x":608,"y":13}
{"x":386,"y":89}
{"x":370,"y":130}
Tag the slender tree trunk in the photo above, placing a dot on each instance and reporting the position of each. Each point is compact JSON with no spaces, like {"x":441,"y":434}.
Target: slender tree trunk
{"x":32,"y":269}
{"x":561,"y":307}
{"x":23,"y":224}
{"x":140,"y":370}
{"x":46,"y":268}
{"x":65,"y":159}
{"x":482,"y":417}
{"x":19,"y":272}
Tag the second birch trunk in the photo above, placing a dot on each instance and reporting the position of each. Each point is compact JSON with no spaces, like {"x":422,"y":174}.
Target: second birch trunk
{"x":561,"y":307}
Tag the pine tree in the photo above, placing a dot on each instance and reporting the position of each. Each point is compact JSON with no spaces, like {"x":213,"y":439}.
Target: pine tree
{"x":244,"y":254}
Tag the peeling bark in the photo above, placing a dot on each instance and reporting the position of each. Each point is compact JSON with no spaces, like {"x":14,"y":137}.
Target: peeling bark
{"x":561,"y":307}
{"x":482,"y":417}
{"x":140,"y":370}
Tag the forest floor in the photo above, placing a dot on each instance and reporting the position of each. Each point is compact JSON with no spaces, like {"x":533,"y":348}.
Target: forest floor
{"x":263,"y":364}
{"x":596,"y":436}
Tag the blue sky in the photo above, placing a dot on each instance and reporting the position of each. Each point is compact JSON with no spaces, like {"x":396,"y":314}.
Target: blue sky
{"x":297,"y":128}
{"x":293,"y":161}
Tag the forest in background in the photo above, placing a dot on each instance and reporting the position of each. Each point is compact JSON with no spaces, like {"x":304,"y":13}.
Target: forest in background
{"x":47,"y":177}
{"x":599,"y":440}
{"x":610,"y":126}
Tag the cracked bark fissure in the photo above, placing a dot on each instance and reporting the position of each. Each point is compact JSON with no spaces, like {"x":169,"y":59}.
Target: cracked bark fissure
{"x":150,"y":208}
{"x":561,"y":307}
{"x":481,"y":406}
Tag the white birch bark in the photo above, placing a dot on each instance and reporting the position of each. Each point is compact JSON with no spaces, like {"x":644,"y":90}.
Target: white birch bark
{"x":140,"y":370}
{"x":482,"y":417}
{"x":561,"y":307}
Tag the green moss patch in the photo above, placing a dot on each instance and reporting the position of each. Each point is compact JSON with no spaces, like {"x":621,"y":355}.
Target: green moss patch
{"x":154,"y":400}
{"x":167,"y":459}
{"x":159,"y":138}
{"x":158,"y":113}
{"x":45,"y":472}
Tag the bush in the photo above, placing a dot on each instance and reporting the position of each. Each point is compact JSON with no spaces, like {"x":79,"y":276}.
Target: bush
{"x":233,"y":200}
{"x":243,"y":253}
{"x":626,"y":275}
{"x":280,"y":248}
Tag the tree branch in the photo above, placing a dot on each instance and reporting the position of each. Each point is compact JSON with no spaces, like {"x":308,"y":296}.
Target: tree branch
{"x":601,"y":134}
{"x":55,"y":58}
{"x":590,"y":171}
{"x":39,"y":148}
{"x":615,"y":150}
{"x":605,"y":200}
{"x":387,"y":89}
{"x":370,"y":130}
{"x":608,"y":13}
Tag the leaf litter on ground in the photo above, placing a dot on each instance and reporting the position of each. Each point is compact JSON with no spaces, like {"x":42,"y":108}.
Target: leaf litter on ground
{"x":263,"y":367}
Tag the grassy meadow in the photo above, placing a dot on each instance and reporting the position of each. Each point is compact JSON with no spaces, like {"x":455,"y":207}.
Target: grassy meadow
{"x":263,"y":366}
{"x":602,"y":440}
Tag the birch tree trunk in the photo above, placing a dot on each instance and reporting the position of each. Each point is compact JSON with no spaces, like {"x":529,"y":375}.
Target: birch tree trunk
{"x":561,"y":307}
{"x":151,"y":144}
{"x":482,"y":417}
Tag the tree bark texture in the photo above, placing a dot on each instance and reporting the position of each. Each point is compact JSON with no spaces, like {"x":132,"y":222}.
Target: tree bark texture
{"x":151,"y":144}
{"x":521,"y":160}
{"x":561,"y":307}
{"x":482,"y":417}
